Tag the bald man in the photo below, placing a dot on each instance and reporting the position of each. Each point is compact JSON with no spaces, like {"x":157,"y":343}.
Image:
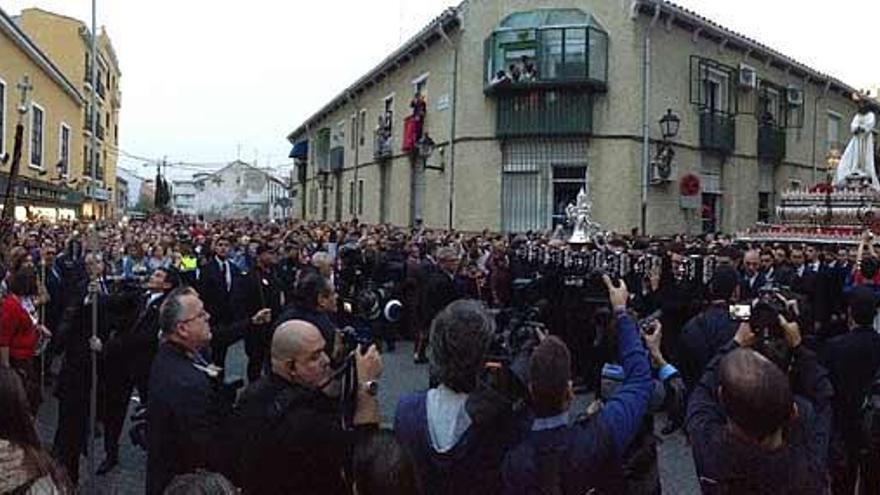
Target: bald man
{"x":751,"y":431}
{"x":753,"y":279}
{"x":292,"y":437}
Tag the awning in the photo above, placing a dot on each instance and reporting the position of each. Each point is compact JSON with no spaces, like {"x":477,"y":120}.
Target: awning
{"x":300,"y":150}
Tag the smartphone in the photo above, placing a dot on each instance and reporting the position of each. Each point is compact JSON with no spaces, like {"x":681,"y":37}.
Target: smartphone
{"x":739,"y":312}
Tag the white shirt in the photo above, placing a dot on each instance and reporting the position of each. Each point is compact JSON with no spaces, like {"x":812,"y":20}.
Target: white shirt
{"x":447,"y":418}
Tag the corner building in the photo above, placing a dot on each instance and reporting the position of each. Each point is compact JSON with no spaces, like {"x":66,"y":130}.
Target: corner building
{"x":509,"y":155}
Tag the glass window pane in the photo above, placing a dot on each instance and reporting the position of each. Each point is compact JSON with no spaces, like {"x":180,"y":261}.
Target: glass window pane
{"x":598,"y":55}
{"x":551,"y":54}
{"x":575,"y":60}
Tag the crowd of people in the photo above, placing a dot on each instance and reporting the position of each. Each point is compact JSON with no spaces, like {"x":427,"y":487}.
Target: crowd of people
{"x":769,"y":367}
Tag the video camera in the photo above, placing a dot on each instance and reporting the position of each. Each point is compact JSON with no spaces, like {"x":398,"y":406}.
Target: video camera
{"x":762,"y":316}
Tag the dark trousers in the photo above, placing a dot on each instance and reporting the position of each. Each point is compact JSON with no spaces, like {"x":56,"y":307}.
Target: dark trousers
{"x":71,"y":436}
{"x":256,"y":347}
{"x":844,"y":465}
{"x":117,"y":389}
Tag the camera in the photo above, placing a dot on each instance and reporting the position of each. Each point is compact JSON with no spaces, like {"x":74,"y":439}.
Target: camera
{"x":740,"y":312}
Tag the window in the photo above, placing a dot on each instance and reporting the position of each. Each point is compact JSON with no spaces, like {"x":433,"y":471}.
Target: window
{"x":389,"y":110}
{"x":360,"y":197}
{"x":832,"y":139}
{"x":354,"y":131}
{"x":64,"y":151}
{"x":87,"y":162}
{"x":766,"y":191}
{"x":351,"y":198}
{"x":37,"y":117}
{"x":2,"y":116}
{"x":363,"y":125}
{"x":764,"y":203}
{"x":420,"y":85}
{"x":715,"y":90}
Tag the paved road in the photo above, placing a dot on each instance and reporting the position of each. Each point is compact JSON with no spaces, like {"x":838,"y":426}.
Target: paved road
{"x":400,"y":376}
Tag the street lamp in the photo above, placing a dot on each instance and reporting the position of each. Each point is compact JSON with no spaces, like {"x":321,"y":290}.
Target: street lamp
{"x":425,"y":147}
{"x":669,"y":124}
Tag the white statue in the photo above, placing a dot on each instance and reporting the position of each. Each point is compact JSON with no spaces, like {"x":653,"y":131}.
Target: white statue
{"x":858,"y":158}
{"x":580,"y":215}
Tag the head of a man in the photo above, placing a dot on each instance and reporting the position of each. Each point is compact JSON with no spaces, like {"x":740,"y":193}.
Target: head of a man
{"x":448,"y":259}
{"x":48,"y":253}
{"x":766,"y":261}
{"x":797,"y":257}
{"x":550,"y":385}
{"x":460,"y":336}
{"x":811,"y":254}
{"x":94,"y":265}
{"x":756,"y":395}
{"x":724,"y":285}
{"x":862,"y":306}
{"x":751,"y":262}
{"x":324,"y":263}
{"x":163,"y":280}
{"x":266,"y":257}
{"x":780,"y":255}
{"x":221,"y":248}
{"x":184,"y":321}
{"x":298,"y":354}
{"x":315,"y":292}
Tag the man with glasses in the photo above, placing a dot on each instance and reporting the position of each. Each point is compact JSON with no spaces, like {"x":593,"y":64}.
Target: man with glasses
{"x":188,"y":405}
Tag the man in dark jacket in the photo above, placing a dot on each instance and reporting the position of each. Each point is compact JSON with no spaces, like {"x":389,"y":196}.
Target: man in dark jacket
{"x":439,"y":290}
{"x":188,"y":406}
{"x":558,"y":458}
{"x":764,"y":438}
{"x":216,"y":282}
{"x":258,"y":289}
{"x":852,"y":360}
{"x":292,"y":438}
{"x":130,"y":353}
{"x":710,"y":330}
{"x":315,"y":302}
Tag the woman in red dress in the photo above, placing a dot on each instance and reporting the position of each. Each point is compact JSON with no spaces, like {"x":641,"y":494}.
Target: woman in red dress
{"x":20,"y":333}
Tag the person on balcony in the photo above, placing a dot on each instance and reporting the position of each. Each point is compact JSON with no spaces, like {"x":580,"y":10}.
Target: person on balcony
{"x":500,"y":78}
{"x":529,"y":71}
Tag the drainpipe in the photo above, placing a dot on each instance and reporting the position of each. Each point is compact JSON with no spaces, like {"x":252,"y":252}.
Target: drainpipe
{"x":357,"y":147}
{"x":646,"y":130}
{"x":454,"y":93}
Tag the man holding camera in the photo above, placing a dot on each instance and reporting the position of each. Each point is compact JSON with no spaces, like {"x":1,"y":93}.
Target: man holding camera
{"x":293,"y":440}
{"x":750,"y":432}
{"x":556,"y":457}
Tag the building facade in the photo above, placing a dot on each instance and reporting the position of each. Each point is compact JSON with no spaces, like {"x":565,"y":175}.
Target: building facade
{"x":67,"y":42}
{"x":237,"y":190}
{"x":183,"y":195}
{"x":522,"y":102}
{"x":49,"y":165}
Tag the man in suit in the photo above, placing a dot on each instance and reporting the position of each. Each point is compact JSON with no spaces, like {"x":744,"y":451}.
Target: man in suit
{"x":439,"y":290}
{"x":259,"y":289}
{"x":753,"y":279}
{"x":216,"y":282}
{"x":189,"y":406}
{"x":131,"y":354}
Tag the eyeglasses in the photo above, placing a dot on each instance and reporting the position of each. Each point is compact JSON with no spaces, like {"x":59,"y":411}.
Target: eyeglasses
{"x":203,"y":315}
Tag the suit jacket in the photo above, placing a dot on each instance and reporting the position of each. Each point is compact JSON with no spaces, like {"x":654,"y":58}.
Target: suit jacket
{"x":186,"y":418}
{"x":257,"y":290}
{"x":136,"y":348}
{"x":749,"y":288}
{"x":439,"y":291}
{"x":214,"y":293}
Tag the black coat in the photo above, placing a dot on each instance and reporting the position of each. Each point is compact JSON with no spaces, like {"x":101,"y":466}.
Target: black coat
{"x":137,"y":347}
{"x":291,"y":440}
{"x":439,"y":290}
{"x":852,"y":360}
{"x":254,"y":291}
{"x":213,"y":291}
{"x":187,"y":413}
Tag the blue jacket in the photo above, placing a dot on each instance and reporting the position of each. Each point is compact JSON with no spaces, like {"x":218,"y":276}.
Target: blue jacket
{"x":473,"y":466}
{"x":587,"y":454}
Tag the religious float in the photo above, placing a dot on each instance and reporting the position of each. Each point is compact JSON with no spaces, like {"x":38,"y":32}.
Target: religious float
{"x":838,"y":210}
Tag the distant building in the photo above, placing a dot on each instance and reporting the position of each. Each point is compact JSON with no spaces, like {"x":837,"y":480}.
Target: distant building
{"x":121,"y":196}
{"x":133,"y":182}
{"x":183,"y":196}
{"x":238,"y":190}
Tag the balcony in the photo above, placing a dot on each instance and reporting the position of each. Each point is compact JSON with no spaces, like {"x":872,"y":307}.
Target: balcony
{"x":322,"y":151}
{"x":717,"y":132}
{"x":546,"y":58}
{"x":541,"y":113}
{"x":771,"y":143}
{"x":382,"y":144}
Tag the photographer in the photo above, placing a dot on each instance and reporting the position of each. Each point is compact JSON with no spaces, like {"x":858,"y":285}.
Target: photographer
{"x":750,"y":432}
{"x":558,"y":458}
{"x":315,"y":301}
{"x":458,"y":432}
{"x":293,"y":441}
{"x":853,"y":360}
{"x":710,"y":330}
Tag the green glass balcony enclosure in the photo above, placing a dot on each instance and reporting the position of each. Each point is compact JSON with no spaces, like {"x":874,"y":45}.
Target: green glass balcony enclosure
{"x":564,"y":47}
{"x":543,"y":67}
{"x":322,"y":150}
{"x":771,"y":143}
{"x":717,"y":132}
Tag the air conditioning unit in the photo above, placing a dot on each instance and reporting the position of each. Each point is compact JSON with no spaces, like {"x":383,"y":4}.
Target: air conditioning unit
{"x":748,"y":77}
{"x":795,"y":96}
{"x":661,"y":172}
